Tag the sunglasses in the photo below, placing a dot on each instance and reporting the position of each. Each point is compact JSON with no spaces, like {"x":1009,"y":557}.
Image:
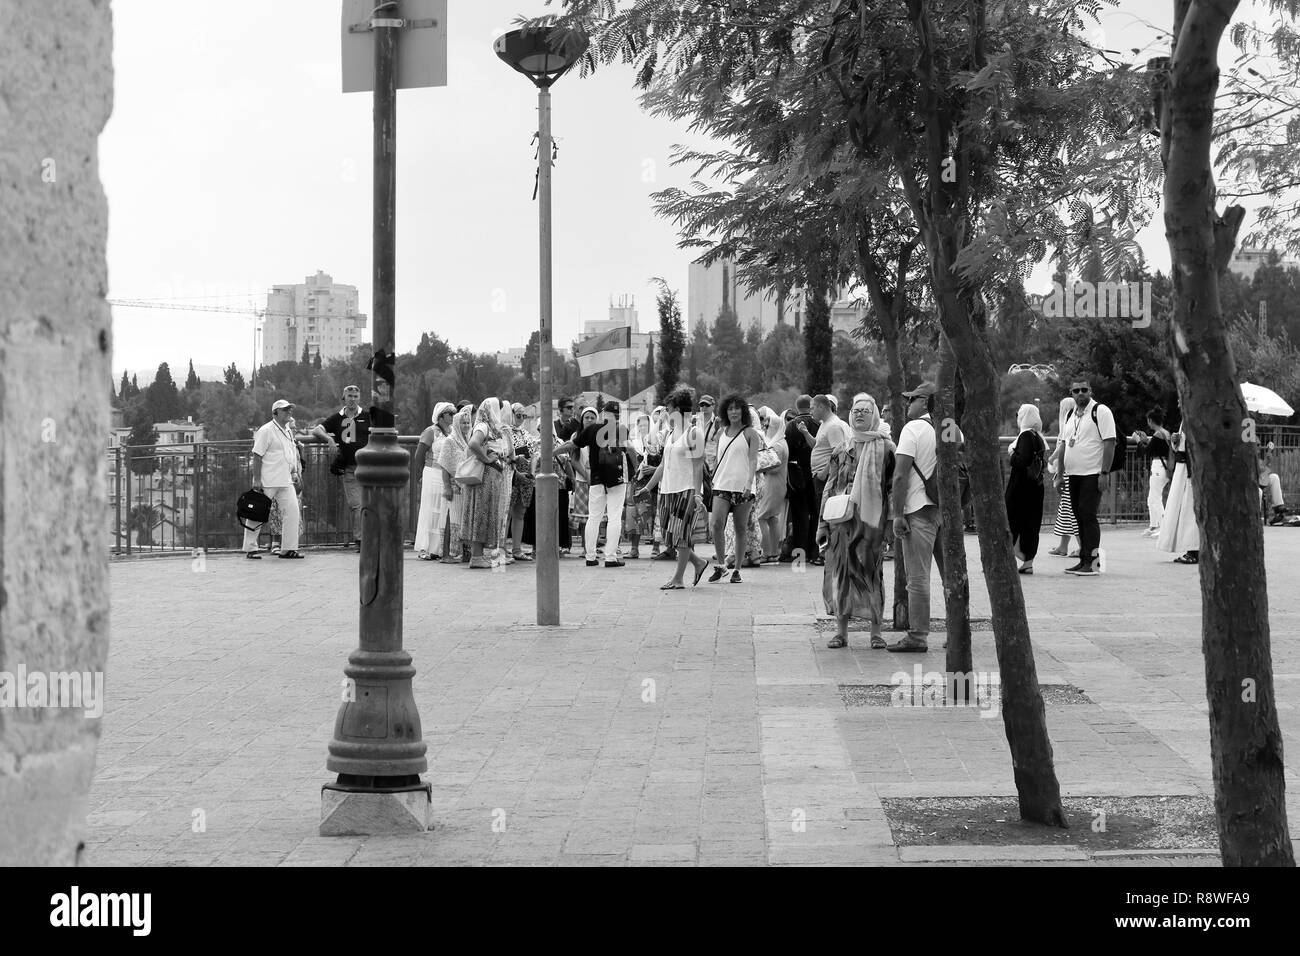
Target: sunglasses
{"x":706,"y":404}
{"x":1080,"y":391}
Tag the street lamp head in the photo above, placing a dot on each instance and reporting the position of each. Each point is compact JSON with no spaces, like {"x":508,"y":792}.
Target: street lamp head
{"x":542,"y":55}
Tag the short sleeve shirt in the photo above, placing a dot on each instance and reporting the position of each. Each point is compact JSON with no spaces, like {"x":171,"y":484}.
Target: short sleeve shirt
{"x":916,"y":440}
{"x":605,"y":469}
{"x":342,"y":428}
{"x":680,"y":454}
{"x":1084,"y":439}
{"x":279,"y":455}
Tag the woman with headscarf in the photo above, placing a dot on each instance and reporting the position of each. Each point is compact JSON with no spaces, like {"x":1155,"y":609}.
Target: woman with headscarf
{"x":1024,"y":495}
{"x":853,"y":583}
{"x":527,"y":446}
{"x":1065,"y":525}
{"x":484,"y":506}
{"x":582,"y":480}
{"x":771,"y":484}
{"x":433,"y":503}
{"x":1178,"y":530}
{"x":639,"y":513}
{"x":451,"y":454}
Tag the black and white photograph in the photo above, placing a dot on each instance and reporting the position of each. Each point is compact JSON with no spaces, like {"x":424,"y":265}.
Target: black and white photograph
{"x":769,"y":434}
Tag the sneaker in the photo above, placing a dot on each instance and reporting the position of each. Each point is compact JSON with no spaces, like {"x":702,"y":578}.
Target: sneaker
{"x":1150,"y":532}
{"x":592,"y":564}
{"x":909,"y":644}
{"x":614,"y":564}
{"x":1082,"y":569}
{"x":717,"y":574}
{"x":669,"y":555}
{"x":735,"y":577}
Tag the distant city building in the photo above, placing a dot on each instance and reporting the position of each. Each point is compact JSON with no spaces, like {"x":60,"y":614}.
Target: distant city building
{"x":710,"y":288}
{"x":512,"y":358}
{"x":1247,"y":260}
{"x":172,"y":436}
{"x":320,"y":314}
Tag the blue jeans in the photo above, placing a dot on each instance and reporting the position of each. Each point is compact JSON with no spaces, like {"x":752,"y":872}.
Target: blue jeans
{"x":917,"y":546}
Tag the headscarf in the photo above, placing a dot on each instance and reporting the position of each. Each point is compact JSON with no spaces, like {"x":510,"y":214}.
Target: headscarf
{"x":492,"y":414}
{"x":871,"y":446}
{"x":453,"y":451}
{"x":775,"y":427}
{"x":1027,"y":419}
{"x":642,"y":445}
{"x":440,"y":408}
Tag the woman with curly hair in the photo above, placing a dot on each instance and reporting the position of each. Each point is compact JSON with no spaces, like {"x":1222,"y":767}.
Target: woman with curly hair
{"x":733,"y":482}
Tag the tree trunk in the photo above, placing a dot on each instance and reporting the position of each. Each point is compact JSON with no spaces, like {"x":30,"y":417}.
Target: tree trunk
{"x":952,"y":537}
{"x":944,"y":212}
{"x":891,"y":311}
{"x":1245,"y":741}
{"x":1023,"y":713}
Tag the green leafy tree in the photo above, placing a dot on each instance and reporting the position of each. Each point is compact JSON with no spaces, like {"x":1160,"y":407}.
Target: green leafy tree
{"x":234,"y":378}
{"x":672,"y":341}
{"x":163,"y":399}
{"x":142,"y":441}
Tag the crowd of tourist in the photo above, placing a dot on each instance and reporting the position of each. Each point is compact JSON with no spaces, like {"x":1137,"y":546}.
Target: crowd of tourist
{"x":717,"y":487}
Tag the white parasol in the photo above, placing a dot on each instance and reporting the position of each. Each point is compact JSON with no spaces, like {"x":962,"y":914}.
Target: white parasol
{"x":1265,"y":401}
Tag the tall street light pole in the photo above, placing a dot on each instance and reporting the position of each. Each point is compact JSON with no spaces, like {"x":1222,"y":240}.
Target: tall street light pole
{"x":544,"y":56}
{"x":378,"y":750}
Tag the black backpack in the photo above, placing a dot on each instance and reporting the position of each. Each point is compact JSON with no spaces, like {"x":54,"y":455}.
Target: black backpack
{"x":1121,"y":440}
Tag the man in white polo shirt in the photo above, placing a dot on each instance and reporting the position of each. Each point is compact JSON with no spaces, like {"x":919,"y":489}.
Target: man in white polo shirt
{"x":916,"y":514}
{"x":276,"y":474}
{"x":1087,"y":446}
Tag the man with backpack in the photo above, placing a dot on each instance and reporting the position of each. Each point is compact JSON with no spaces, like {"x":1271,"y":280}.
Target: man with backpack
{"x":1086,"y":453}
{"x":612,"y":464}
{"x":915,"y":501}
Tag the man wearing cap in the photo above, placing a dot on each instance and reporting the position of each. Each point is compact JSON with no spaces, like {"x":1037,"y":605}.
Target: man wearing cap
{"x":612,"y":463}
{"x":276,"y":474}
{"x":345,"y":431}
{"x":916,"y":514}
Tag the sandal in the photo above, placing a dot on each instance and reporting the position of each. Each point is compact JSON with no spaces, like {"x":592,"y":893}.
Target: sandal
{"x":699,"y":573}
{"x":837,"y":641}
{"x":523,"y":557}
{"x":291,"y":554}
{"x":1185,"y":559}
{"x":254,"y":555}
{"x":672,"y":586}
{"x":1058,"y":552}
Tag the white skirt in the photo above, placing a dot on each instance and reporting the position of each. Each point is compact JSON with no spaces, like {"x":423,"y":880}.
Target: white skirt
{"x":433,"y":513}
{"x":1178,"y":531}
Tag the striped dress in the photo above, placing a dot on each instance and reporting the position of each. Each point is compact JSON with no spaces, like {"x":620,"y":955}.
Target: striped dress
{"x":1065,"y":523}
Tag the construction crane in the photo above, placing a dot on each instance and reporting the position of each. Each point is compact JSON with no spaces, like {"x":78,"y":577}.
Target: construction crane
{"x":257,"y":315}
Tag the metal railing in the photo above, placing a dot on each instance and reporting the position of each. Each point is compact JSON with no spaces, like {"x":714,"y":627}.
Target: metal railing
{"x":178,"y":498}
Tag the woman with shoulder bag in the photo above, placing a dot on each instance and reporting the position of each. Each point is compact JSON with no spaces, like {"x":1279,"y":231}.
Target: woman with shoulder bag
{"x":852,"y":521}
{"x":733,"y":483}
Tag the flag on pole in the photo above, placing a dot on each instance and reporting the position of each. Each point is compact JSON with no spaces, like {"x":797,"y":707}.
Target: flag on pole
{"x":606,"y":352}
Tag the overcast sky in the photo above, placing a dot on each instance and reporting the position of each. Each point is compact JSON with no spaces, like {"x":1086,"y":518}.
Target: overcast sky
{"x":233,"y":162}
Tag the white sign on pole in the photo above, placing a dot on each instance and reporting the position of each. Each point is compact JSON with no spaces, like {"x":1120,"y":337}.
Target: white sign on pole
{"x":421,"y":44}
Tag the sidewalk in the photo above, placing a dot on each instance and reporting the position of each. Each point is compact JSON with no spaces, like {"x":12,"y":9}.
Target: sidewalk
{"x":697,"y":727}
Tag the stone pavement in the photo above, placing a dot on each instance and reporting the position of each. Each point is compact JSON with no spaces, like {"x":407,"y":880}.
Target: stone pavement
{"x":687,"y":727}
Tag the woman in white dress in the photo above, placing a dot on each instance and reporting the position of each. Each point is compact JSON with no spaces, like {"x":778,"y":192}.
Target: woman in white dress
{"x":1178,"y":530}
{"x":433,"y":503}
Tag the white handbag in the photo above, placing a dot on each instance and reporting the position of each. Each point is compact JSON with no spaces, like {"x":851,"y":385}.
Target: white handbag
{"x":837,"y":509}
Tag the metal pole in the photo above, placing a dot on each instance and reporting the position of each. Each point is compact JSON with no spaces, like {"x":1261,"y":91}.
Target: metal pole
{"x":377,"y":744}
{"x":548,"y":483}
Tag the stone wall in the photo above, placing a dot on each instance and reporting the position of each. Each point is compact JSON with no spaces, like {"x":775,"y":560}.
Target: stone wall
{"x":56,"y":88}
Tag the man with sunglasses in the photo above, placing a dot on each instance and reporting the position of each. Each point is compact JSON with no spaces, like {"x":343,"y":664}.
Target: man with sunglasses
{"x":1084,"y":454}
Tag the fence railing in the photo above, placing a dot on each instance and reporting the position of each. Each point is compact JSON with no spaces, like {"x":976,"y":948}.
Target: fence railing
{"x":174,"y":498}
{"x":177,"y":498}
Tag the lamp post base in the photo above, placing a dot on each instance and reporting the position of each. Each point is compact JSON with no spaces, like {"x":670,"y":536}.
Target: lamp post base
{"x":345,"y":811}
